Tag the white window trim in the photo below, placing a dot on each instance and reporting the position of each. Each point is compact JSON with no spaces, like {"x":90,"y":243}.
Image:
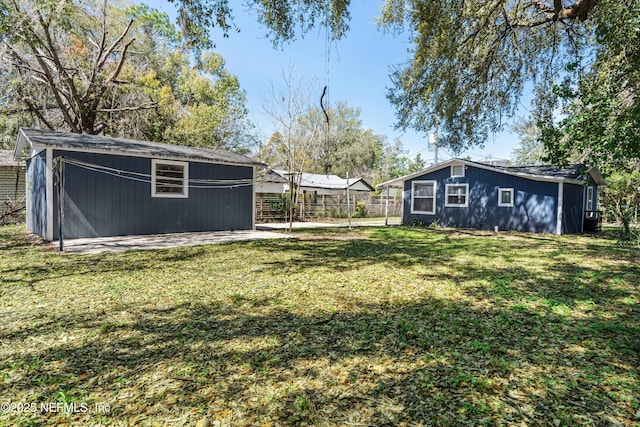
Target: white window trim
{"x":455,"y":205}
{"x":185,"y":183}
{"x":505,"y":205}
{"x":413,"y":192}
{"x":589,"y":205}
{"x":457,"y":176}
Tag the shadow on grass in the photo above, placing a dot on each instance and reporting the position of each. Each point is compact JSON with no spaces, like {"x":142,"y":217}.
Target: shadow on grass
{"x":486,"y":359}
{"x":54,"y":265}
{"x":448,"y":362}
{"x":454,"y":255}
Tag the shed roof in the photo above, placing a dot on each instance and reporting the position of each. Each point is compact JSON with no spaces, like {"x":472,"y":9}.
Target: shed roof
{"x":7,"y":160}
{"x":122,"y":146}
{"x":577,"y":173}
{"x":329,"y":182}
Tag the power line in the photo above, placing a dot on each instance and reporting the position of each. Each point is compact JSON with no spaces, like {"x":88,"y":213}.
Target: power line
{"x":147,"y":178}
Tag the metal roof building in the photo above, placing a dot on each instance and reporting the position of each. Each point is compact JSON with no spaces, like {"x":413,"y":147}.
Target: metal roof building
{"x":277,"y":181}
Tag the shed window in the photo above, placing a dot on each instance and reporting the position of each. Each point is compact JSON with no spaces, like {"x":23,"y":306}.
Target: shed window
{"x":169,"y":178}
{"x":423,"y":197}
{"x":457,"y":195}
{"x":505,"y":197}
{"x":457,"y":170}
{"x":589,"y":198}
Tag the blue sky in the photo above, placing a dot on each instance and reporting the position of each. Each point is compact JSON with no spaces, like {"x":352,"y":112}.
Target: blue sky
{"x":358,"y":71}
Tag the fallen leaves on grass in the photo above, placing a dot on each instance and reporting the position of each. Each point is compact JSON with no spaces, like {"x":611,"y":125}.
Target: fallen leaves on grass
{"x":376,"y":327}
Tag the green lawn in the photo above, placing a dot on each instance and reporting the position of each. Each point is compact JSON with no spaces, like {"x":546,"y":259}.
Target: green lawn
{"x":375,"y":326}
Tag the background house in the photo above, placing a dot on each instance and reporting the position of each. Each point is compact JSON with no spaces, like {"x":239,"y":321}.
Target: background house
{"x":115,"y":186}
{"x":320,"y":195}
{"x":464,"y":194}
{"x":12,"y":181}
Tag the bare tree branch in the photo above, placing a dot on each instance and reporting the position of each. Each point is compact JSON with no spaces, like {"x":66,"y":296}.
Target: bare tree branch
{"x":115,"y":45}
{"x":147,"y":106}
{"x":74,"y":98}
{"x":579,"y":11}
{"x":27,"y":109}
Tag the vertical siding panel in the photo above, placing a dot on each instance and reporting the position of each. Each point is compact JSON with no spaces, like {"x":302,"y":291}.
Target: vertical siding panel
{"x":573,"y":208}
{"x":534,"y":209}
{"x":36,"y":194}
{"x":99,"y":204}
{"x":140,"y":195}
{"x":137,"y":215}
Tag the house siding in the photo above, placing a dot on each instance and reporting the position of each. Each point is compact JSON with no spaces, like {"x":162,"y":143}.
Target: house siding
{"x":12,"y":184}
{"x":572,"y":208}
{"x":99,"y":204}
{"x":534,"y":210}
{"x":36,"y":194}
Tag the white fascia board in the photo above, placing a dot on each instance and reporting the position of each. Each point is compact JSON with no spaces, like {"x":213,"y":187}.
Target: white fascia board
{"x":597,"y":176}
{"x":22,"y":142}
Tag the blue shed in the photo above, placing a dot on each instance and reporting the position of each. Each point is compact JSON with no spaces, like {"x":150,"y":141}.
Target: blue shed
{"x":537,"y":199}
{"x":116,"y":187}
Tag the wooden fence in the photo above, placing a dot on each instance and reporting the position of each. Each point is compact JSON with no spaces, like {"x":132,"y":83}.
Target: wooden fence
{"x":272,"y":207}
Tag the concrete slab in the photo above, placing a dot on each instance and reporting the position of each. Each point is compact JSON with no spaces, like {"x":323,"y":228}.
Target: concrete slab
{"x":159,"y":241}
{"x":377,"y":222}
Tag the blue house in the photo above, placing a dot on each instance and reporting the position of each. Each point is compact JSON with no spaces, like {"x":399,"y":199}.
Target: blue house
{"x":106,"y":186}
{"x":537,"y":199}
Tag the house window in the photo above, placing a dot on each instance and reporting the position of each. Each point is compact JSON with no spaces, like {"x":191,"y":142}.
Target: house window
{"x":457,"y":171}
{"x":505,"y":197}
{"x":423,"y":197}
{"x":169,"y":178}
{"x":456,"y":195}
{"x":589,"y":198}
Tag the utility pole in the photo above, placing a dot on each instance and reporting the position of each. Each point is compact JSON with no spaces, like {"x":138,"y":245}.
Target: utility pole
{"x":433,"y":140}
{"x":59,"y":166}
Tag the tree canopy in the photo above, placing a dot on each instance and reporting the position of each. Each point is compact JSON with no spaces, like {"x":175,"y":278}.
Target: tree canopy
{"x":621,"y":196}
{"x":530,"y":150}
{"x":601,"y":108}
{"x":285,"y":20}
{"x":465,"y":74}
{"x":114,"y":68}
{"x":470,"y":61}
{"x":348,"y":147}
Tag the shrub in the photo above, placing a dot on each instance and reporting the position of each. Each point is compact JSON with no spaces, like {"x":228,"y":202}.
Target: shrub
{"x":361,"y":210}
